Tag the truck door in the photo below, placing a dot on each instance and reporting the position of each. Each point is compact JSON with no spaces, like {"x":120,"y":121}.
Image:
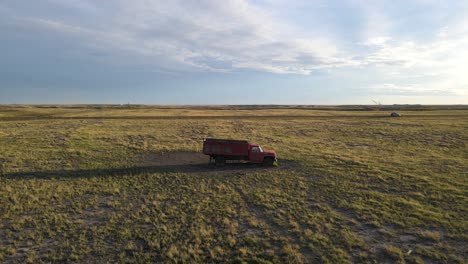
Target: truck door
{"x":255,"y":155}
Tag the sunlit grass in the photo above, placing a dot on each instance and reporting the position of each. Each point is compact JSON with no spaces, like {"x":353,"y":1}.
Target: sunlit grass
{"x":351,"y":188}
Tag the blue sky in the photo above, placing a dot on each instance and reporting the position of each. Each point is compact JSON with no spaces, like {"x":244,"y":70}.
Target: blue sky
{"x":234,"y":51}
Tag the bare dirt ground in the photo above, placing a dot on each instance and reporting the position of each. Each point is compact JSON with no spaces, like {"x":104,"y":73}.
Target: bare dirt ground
{"x":183,"y":161}
{"x":181,"y":158}
{"x":173,"y":162}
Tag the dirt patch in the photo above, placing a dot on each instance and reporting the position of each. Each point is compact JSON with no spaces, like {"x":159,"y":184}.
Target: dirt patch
{"x":358,"y":146}
{"x":172,"y":162}
{"x":174,"y":158}
{"x":185,"y":161}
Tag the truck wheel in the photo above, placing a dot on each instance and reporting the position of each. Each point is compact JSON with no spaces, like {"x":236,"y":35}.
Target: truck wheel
{"x":220,"y":161}
{"x":268,"y":162}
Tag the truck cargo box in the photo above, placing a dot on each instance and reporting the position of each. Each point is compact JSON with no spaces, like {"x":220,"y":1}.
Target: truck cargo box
{"x":226,"y":147}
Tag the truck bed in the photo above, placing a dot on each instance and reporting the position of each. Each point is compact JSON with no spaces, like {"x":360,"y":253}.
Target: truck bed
{"x":226,"y":147}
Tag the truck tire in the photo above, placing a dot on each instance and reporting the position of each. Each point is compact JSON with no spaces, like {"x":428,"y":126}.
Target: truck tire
{"x":268,"y":162}
{"x":220,"y":160}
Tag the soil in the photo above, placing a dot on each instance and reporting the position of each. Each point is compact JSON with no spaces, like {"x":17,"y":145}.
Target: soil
{"x":174,"y":162}
{"x":198,"y":162}
{"x":174,"y":158}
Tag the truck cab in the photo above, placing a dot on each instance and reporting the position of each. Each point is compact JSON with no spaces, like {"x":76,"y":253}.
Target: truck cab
{"x":258,"y":155}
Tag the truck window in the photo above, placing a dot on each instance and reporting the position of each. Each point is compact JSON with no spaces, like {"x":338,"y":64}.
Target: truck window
{"x":255,"y":150}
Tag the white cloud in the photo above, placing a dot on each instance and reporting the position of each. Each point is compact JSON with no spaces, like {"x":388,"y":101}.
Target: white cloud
{"x":207,"y":35}
{"x":377,"y":41}
{"x":408,"y":89}
{"x":376,"y":21}
{"x":439,"y":64}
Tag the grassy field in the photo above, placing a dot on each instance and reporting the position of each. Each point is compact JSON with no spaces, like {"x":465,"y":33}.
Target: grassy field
{"x":94,"y":184}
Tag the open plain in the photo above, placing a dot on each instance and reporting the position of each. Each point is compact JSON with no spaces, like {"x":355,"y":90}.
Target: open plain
{"x":129,"y":184}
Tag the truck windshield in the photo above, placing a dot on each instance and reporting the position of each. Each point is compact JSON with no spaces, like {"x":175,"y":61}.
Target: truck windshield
{"x":260,"y":149}
{"x":256,"y":149}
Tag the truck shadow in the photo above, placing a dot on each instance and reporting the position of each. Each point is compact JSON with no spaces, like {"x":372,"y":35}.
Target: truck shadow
{"x":230,"y":168}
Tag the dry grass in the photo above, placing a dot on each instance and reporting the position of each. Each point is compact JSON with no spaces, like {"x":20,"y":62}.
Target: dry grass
{"x":351,"y":187}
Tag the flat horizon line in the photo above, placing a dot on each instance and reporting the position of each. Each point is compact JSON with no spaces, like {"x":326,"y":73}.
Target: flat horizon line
{"x":178,"y":105}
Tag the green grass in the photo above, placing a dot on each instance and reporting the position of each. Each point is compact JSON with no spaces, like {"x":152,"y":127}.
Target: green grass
{"x":350,"y":186}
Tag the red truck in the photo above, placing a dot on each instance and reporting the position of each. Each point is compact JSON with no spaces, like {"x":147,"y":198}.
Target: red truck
{"x":221,"y":150}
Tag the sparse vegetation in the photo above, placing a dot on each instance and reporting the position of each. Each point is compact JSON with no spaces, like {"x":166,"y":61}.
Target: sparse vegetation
{"x":87,"y":184}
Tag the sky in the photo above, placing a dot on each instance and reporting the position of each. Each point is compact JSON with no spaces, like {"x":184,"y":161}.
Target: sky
{"x":233,"y":52}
